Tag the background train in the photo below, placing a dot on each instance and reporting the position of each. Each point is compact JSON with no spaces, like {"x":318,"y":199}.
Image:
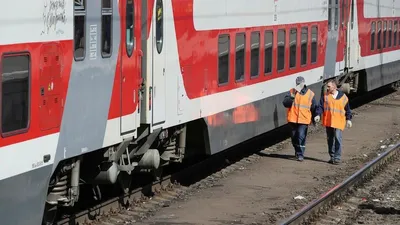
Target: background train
{"x":93,"y":91}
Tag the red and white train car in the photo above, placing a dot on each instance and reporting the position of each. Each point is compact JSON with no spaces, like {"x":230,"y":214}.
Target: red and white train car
{"x":375,"y":42}
{"x":93,"y":91}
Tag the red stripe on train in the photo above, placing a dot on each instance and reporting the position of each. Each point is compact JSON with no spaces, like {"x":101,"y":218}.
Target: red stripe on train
{"x":198,"y":52}
{"x":364,"y":29}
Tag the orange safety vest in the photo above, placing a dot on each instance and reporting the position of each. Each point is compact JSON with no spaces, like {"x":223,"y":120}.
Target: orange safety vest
{"x":300,"y":111}
{"x":334,"y":113}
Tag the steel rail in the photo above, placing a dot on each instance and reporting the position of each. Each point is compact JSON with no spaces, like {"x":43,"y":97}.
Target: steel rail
{"x":321,"y":205}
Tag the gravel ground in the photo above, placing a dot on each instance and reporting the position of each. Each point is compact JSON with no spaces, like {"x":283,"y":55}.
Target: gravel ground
{"x":381,"y":207}
{"x":377,"y":202}
{"x":263,"y":193}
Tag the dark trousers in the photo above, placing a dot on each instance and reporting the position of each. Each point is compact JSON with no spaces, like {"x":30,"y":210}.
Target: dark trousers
{"x":334,"y":137}
{"x":299,"y":135}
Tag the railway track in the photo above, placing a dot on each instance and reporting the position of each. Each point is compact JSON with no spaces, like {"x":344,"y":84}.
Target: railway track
{"x":144,"y":200}
{"x":315,"y":211}
{"x":375,"y":203}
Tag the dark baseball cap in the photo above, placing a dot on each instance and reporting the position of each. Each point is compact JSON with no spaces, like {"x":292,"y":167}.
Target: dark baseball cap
{"x":300,"y":80}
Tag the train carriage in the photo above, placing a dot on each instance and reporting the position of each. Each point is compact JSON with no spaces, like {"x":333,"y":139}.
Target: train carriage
{"x":93,"y":91}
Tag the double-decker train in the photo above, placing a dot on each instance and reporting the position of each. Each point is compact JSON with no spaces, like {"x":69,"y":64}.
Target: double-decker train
{"x":94,"y":91}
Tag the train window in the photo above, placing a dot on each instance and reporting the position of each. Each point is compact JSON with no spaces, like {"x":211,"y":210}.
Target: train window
{"x":130,"y":27}
{"x":379,"y":39}
{"x":390,"y":34}
{"x":281,"y":50}
{"x":79,"y":29}
{"x":293,"y":47}
{"x":395,"y":34}
{"x":373,"y":27}
{"x":240,"y":53}
{"x":314,"y":43}
{"x":399,"y":33}
{"x":330,"y":15}
{"x":255,"y":54}
{"x":384,"y":34}
{"x":15,"y":93}
{"x":223,"y":58}
{"x":268,"y":40}
{"x":159,"y":25}
{"x":304,"y":42}
{"x":336,"y":14}
{"x":106,"y":31}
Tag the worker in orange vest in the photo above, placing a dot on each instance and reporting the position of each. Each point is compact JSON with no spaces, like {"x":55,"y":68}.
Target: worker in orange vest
{"x":301,"y":104}
{"x":336,"y":114}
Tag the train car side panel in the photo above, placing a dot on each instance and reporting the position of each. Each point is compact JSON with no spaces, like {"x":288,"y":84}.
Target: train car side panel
{"x":224,"y":103}
{"x":197,"y":54}
{"x":380,"y":52}
{"x":88,"y":100}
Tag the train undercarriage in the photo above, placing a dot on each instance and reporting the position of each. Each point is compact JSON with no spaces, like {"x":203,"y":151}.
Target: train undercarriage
{"x":355,"y":83}
{"x":117,"y":165}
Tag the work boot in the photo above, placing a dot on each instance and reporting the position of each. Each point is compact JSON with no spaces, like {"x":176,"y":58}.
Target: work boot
{"x":336,"y":161}
{"x":330,"y":161}
{"x":300,"y":158}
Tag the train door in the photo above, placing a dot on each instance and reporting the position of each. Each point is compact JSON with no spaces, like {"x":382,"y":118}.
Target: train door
{"x":344,"y":34}
{"x":130,"y":64}
{"x":158,"y":90}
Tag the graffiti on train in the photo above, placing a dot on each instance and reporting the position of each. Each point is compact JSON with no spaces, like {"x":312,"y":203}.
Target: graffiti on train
{"x":53,"y":14}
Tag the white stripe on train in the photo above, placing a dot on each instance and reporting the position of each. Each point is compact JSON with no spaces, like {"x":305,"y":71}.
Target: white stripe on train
{"x":253,"y":13}
{"x":26,"y":156}
{"x":24,"y":22}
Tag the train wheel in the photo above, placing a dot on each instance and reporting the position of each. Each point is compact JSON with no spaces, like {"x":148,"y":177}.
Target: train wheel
{"x":125,"y":181}
{"x":157,"y":173}
{"x":396,"y":85}
{"x":50,"y":214}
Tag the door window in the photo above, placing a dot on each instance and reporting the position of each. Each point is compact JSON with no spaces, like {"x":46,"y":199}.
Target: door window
{"x":159,"y":25}
{"x":129,"y":27}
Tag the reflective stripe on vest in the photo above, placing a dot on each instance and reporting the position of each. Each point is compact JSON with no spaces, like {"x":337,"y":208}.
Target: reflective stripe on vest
{"x":300,"y":110}
{"x":334,"y":112}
